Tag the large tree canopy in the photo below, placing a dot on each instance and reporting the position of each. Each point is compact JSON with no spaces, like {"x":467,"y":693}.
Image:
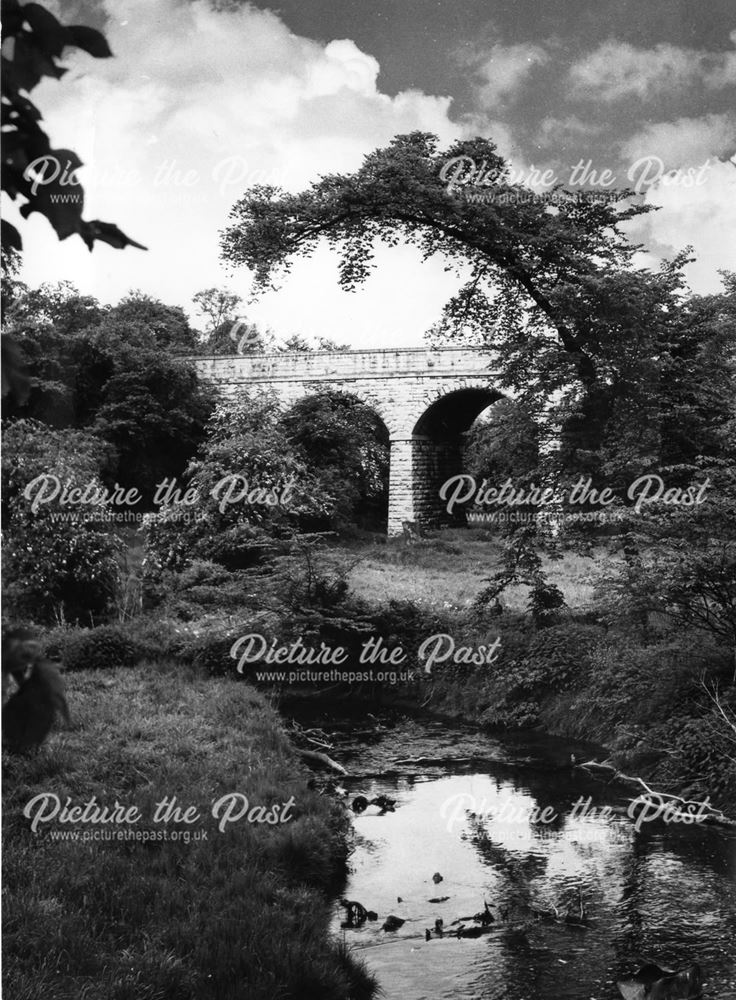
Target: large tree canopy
{"x":399,"y":194}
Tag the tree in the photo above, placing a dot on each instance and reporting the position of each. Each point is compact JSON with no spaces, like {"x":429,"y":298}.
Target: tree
{"x":167,"y":326}
{"x":399,"y":195}
{"x":33,"y":41}
{"x":227,"y":333}
{"x":251,"y":488}
{"x":106,"y":370}
{"x":218,"y":305}
{"x":58,"y":304}
{"x":684,"y":565}
{"x":153,"y":410}
{"x":331,"y":346}
{"x":698,"y":385}
{"x":296,"y":343}
{"x":346,"y":446}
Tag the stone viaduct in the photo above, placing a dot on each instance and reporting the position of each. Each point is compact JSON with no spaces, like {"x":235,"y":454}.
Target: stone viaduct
{"x":427,"y":399}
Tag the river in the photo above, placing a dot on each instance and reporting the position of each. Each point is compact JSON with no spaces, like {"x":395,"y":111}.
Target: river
{"x":665,"y":894}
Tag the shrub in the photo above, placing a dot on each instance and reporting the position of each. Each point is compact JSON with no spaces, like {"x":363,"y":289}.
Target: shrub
{"x":699,"y":754}
{"x":106,"y":646}
{"x":210,"y":651}
{"x":246,"y":453}
{"x":202,"y":573}
{"x":532,"y":666}
{"x":560,"y":656}
{"x":54,"y":569}
{"x":546,"y":601}
{"x":159,"y":639}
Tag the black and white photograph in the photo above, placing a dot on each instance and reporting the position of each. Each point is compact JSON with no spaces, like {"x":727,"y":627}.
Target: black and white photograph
{"x":368,"y":499}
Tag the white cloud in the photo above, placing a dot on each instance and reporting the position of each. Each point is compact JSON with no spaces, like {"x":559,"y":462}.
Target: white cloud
{"x":195,"y":106}
{"x":617,"y":70}
{"x":502,"y":69}
{"x":700,"y":215}
{"x":684,"y":142}
{"x":555,"y":131}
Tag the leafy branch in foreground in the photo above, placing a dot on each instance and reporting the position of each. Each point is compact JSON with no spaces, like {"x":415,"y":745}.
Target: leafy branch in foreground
{"x":33,"y":41}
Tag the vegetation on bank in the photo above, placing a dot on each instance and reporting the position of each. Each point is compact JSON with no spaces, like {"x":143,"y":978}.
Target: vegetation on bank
{"x":658,"y":692}
{"x":242,"y":913}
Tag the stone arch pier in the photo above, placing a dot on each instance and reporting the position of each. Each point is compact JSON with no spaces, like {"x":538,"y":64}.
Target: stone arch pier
{"x":427,"y":398}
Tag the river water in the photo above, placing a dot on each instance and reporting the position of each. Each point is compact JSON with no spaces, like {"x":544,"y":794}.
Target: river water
{"x":665,"y":894}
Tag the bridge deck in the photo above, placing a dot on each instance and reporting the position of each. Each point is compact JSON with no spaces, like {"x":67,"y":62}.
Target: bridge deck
{"x":403,"y":362}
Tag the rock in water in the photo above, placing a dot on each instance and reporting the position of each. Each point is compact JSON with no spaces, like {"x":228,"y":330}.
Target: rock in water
{"x":654,"y":983}
{"x":392,"y":923}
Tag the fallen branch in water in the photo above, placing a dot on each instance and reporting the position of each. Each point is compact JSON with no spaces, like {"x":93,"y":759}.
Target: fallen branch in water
{"x":436,"y":760}
{"x":710,"y":815}
{"x":322,"y":759}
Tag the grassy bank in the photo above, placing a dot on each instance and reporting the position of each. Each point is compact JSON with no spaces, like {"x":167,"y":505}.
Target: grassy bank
{"x":241,"y":913}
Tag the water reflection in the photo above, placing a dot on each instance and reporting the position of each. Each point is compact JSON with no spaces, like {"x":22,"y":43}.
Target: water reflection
{"x":662,"y":894}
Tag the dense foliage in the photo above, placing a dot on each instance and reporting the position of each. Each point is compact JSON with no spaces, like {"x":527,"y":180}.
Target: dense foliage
{"x":346,"y":447}
{"x":248,"y":488}
{"x":56,"y":565}
{"x":114,"y":372}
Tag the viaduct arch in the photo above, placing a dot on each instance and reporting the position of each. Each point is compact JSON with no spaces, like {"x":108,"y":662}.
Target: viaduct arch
{"x":427,"y":398}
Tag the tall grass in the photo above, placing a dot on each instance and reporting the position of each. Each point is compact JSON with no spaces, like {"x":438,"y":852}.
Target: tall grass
{"x":241,"y":914}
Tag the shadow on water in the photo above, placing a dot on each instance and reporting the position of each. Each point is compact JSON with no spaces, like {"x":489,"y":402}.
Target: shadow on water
{"x":470,"y":807}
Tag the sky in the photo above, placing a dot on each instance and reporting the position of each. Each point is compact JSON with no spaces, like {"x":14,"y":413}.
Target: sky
{"x":203,"y":99}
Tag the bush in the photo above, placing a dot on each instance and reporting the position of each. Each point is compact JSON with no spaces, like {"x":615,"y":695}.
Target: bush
{"x":159,"y":639}
{"x":560,"y":656}
{"x":512,"y":691}
{"x":546,"y":601}
{"x":210,"y":652}
{"x":699,"y":754}
{"x":245,"y":452}
{"x":106,"y":646}
{"x":55,"y":569}
{"x":201,"y":573}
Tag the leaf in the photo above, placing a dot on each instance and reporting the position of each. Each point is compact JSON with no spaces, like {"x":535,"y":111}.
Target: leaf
{"x":58,"y":198}
{"x":90,"y":40}
{"x":48,"y":31}
{"x":30,"y":63}
{"x":65,"y":217}
{"x":12,"y":18}
{"x":107,"y":232}
{"x":10,"y":237}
